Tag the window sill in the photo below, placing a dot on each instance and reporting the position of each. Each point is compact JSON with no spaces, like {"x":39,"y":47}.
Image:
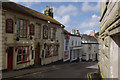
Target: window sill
{"x":48,"y":56}
{"x":22,"y":37}
{"x":55,"y":55}
{"x":23,"y":62}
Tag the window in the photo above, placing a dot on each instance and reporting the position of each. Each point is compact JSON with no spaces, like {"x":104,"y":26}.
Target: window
{"x":72,"y":43}
{"x":55,"y":53}
{"x":76,"y":43}
{"x":38,"y":31}
{"x":32,"y":29}
{"x":21,"y":28}
{"x":22,"y":55}
{"x":45,"y":32}
{"x":47,"y":51}
{"x":52,"y":33}
{"x":67,"y":41}
{"x":9,"y":26}
{"x":32,"y":54}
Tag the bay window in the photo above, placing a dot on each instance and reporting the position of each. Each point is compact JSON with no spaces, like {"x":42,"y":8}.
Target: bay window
{"x":22,"y":54}
{"x":21,"y":28}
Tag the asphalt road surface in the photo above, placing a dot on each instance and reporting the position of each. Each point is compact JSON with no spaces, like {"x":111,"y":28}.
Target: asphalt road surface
{"x":66,"y":70}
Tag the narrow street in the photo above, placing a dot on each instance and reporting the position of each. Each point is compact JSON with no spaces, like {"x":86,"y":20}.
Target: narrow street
{"x":65,"y":70}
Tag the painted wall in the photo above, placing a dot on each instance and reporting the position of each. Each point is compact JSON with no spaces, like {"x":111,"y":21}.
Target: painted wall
{"x":74,"y":41}
{"x":90,"y":49}
{"x":10,"y":40}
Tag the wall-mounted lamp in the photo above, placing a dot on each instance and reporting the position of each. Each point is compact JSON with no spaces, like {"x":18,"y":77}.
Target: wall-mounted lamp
{"x":48,"y":21}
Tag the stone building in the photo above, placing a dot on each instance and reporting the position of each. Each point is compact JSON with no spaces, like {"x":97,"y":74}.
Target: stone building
{"x":109,"y":39}
{"x":72,"y":45}
{"x":29,"y":37}
{"x":90,"y":48}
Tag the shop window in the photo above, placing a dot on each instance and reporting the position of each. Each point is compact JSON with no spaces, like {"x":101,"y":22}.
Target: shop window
{"x":32,"y":29}
{"x":47,"y":51}
{"x":21,"y":28}
{"x":45,"y":32}
{"x":22,"y":54}
{"x":55,"y":50}
{"x":9,"y":26}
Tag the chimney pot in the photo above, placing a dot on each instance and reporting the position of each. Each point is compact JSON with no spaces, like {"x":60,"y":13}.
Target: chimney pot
{"x":92,"y":33}
{"x":73,"y":31}
{"x":47,"y":7}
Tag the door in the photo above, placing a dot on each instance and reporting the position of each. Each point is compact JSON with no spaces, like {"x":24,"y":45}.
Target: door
{"x":10,"y":58}
{"x":37,"y":56}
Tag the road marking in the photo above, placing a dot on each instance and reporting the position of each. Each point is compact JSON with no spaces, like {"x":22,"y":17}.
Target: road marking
{"x":87,"y":76}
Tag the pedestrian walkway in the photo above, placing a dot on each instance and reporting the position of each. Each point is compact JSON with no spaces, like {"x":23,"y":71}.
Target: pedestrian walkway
{"x":29,"y":70}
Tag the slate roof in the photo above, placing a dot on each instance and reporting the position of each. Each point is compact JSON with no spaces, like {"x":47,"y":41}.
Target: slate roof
{"x":28,"y":11}
{"x":66,"y":32}
{"x":89,"y":38}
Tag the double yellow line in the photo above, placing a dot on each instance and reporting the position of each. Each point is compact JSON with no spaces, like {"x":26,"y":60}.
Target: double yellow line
{"x":89,"y":76}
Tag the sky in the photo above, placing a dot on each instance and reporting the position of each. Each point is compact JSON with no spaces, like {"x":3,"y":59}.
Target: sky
{"x":82,"y":16}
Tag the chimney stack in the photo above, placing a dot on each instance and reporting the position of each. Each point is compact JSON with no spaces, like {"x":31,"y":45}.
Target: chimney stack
{"x":49,"y":11}
{"x":92,"y":33}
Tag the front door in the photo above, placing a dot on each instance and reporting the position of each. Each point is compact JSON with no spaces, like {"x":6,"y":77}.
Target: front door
{"x":37,"y":55}
{"x":10,"y":58}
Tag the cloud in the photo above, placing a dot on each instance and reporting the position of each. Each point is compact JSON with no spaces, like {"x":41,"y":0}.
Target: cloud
{"x":86,"y":7}
{"x":91,"y":23}
{"x":66,"y":10}
{"x":64,"y":14}
{"x":64,"y":19}
{"x":88,"y":31}
{"x":28,"y":4}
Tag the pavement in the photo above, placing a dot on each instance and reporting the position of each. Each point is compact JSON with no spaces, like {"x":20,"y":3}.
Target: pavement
{"x":62,"y":70}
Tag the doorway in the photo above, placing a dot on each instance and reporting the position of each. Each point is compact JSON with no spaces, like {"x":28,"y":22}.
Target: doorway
{"x":37,"y":56}
{"x":10,"y":58}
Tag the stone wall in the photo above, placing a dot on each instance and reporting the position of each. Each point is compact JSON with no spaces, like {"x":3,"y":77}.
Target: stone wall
{"x":109,"y":40}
